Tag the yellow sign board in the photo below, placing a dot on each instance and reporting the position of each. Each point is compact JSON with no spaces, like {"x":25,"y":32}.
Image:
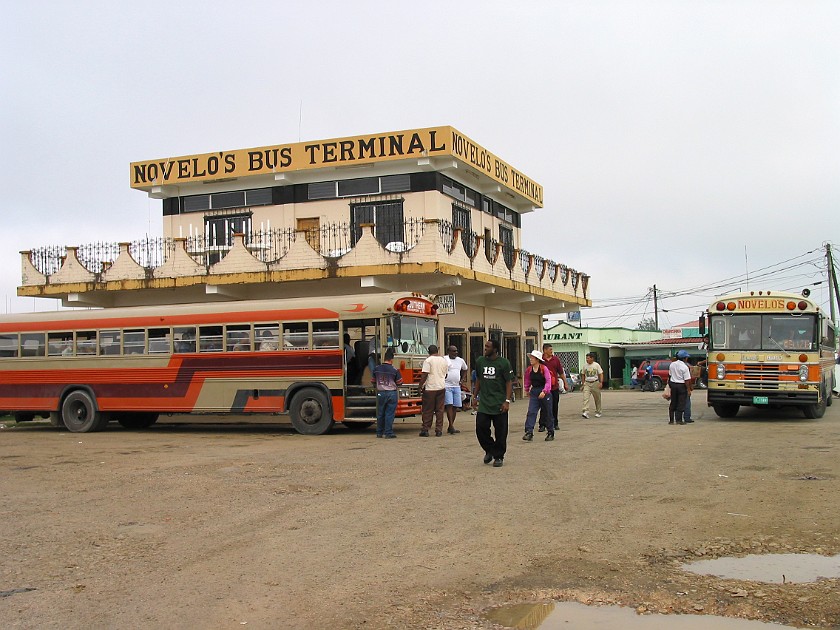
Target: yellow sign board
{"x":287,"y":158}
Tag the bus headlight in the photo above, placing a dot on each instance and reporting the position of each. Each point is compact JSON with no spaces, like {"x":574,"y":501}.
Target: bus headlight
{"x":803,"y":372}
{"x":405,"y":392}
{"x":721,"y":370}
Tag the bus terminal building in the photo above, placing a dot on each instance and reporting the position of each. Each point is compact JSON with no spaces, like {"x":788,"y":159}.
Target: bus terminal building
{"x":426,"y":210}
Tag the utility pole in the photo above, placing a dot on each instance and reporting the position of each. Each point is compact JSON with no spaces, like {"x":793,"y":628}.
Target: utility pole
{"x":833,"y":293}
{"x":655,"y":309}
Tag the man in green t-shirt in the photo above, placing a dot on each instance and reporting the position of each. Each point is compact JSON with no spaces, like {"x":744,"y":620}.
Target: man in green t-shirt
{"x":493,"y":393}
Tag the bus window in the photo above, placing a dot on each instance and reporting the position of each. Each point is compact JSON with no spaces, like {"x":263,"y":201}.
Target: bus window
{"x":210,"y":339}
{"x":134,"y":342}
{"x":184,"y":339}
{"x":33,"y":344}
{"x":60,"y":344}
{"x":325,"y":334}
{"x":296,"y":336}
{"x":86,"y":342}
{"x":109,"y":341}
{"x":159,"y":341}
{"x":9,"y":345}
{"x":266,"y":336}
{"x":238,"y":338}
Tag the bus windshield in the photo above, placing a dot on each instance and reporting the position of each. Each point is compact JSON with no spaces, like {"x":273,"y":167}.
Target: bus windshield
{"x":412,"y":335}
{"x":763,"y":332}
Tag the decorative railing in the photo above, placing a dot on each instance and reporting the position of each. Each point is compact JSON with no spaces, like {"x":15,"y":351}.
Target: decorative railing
{"x":331,"y":241}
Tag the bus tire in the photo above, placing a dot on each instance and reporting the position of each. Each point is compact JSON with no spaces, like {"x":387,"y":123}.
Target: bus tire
{"x":310,"y":412}
{"x":726,"y":410}
{"x":137,"y":420}
{"x":80,"y":414}
{"x":812,"y":412}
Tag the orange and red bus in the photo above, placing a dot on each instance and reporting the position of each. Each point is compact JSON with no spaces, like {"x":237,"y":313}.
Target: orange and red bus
{"x":83,"y":369}
{"x":769,"y":348}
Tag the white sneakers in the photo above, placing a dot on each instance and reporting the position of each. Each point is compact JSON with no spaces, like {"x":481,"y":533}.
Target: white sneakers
{"x":584,"y":415}
{"x":597,"y":415}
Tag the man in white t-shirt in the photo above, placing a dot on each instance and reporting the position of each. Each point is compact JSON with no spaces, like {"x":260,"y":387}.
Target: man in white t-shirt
{"x":433,"y":386}
{"x":455,"y":377}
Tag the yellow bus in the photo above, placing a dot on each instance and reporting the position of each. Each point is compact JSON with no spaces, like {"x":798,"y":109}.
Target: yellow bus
{"x":305,"y":358}
{"x":769,"y":348}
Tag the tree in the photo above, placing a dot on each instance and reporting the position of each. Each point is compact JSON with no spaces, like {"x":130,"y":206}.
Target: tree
{"x":648,"y":323}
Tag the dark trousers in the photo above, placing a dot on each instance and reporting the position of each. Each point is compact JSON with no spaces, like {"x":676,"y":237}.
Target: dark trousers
{"x":554,"y":402}
{"x":496,"y":448}
{"x":433,"y":406}
{"x":679,"y":394}
{"x":541,"y":405}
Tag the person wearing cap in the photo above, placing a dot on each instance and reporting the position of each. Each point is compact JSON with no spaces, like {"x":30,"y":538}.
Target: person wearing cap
{"x":593,"y":380}
{"x":538,"y":389}
{"x":679,"y":378}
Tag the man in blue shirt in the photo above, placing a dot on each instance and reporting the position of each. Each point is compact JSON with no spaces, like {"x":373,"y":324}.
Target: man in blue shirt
{"x":387,"y":379}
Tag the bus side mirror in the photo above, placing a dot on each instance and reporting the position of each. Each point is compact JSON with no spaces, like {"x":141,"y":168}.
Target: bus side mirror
{"x":701,"y":324}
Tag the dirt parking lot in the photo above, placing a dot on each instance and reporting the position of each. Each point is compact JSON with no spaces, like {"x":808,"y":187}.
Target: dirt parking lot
{"x":185,"y":526}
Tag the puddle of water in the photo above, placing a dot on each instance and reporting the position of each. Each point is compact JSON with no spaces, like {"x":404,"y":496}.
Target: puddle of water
{"x":776,"y":568}
{"x":566,"y":615}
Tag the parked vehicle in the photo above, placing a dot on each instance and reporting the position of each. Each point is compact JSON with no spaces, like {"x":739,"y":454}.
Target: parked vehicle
{"x":573,"y":380}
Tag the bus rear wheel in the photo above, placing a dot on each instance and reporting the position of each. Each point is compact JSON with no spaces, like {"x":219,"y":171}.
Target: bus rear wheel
{"x":137,"y":420}
{"x":726,"y":410}
{"x":310,"y":412}
{"x":80,"y":414}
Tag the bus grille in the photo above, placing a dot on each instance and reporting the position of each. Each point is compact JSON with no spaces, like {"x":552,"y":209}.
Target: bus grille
{"x":762,"y":375}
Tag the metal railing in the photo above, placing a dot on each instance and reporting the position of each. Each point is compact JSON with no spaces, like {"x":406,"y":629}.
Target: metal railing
{"x":268,"y":246}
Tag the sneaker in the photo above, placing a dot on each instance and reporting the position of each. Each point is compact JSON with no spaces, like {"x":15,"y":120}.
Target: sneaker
{"x":529,"y":435}
{"x":392,"y":436}
{"x":452,"y":431}
{"x":438,"y":433}
{"x":498,"y":462}
{"x":598,"y":415}
{"x":549,"y":437}
{"x":378,"y":435}
{"x":542,"y":428}
{"x":670,"y":422}
{"x":556,"y":426}
{"x":424,"y":434}
{"x":688,"y":421}
{"x":584,"y":415}
{"x":488,"y":458}
{"x":473,"y":412}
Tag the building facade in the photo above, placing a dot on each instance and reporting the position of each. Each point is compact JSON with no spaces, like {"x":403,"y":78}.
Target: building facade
{"x":425,"y":210}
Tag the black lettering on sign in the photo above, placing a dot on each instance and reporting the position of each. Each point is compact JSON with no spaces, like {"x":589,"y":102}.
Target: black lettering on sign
{"x":230,"y":163}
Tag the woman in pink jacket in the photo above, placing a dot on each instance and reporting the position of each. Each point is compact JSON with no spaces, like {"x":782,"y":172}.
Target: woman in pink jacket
{"x":538,"y":389}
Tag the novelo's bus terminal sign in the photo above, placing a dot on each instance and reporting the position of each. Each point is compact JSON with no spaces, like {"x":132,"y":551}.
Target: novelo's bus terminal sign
{"x":355,"y":150}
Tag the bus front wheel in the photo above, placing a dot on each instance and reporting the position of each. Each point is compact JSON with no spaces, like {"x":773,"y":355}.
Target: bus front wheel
{"x":80,"y":415}
{"x":812,"y":412}
{"x":310,"y":412}
{"x":726,"y":410}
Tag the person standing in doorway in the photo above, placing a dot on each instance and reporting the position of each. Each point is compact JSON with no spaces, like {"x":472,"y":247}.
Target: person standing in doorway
{"x":558,"y":376}
{"x":433,"y":386}
{"x":538,"y":391}
{"x":387,"y":379}
{"x":679,"y":378}
{"x":456,"y":376}
{"x":593,"y":380}
{"x":493,"y":391}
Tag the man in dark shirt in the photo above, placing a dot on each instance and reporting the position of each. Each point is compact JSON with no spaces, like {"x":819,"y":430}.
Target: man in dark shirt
{"x":387,"y":379}
{"x":493,"y":392}
{"x":558,"y":375}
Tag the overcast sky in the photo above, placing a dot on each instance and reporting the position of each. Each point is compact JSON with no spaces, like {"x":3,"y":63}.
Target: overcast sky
{"x":679,"y":143}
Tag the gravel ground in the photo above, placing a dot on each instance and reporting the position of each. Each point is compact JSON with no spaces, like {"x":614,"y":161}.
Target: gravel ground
{"x":184,"y":526}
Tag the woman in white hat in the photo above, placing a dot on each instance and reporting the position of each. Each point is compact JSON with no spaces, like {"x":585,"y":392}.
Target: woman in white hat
{"x":538,"y":388}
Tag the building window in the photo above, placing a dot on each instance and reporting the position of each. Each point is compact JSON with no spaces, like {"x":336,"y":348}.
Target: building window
{"x":359,"y":187}
{"x":506,"y":239}
{"x":387,"y":219}
{"x":219,"y":231}
{"x":461,"y":218}
{"x":226,"y":200}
